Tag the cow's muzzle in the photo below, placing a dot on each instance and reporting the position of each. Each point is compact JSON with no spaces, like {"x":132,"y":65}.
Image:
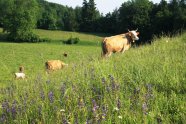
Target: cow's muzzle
{"x":136,"y":38}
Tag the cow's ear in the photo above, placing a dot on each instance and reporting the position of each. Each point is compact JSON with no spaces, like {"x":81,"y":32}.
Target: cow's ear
{"x":137,"y":33}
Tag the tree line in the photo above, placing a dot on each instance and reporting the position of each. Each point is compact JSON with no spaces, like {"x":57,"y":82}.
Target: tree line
{"x":19,"y":17}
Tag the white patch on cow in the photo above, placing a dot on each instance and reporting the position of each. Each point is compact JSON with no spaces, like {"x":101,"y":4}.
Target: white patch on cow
{"x":19,"y":75}
{"x":135,"y":35}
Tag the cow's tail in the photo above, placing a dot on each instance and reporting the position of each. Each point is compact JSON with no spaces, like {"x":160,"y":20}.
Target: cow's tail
{"x":103,"y":46}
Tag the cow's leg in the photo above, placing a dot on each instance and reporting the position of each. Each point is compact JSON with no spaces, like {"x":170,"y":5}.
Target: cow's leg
{"x":48,"y":71}
{"x":103,"y":54}
{"x":109,"y":54}
{"x":123,"y":50}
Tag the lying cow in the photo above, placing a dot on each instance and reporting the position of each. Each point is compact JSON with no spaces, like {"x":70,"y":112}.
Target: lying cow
{"x":20,"y":74}
{"x":118,"y":43}
{"x":55,"y":64}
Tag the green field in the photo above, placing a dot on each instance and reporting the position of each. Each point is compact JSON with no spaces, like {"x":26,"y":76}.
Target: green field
{"x":146,"y":84}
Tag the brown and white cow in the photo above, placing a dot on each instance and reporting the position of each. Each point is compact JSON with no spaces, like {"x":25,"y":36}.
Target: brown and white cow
{"x":118,"y":43}
{"x":54,"y":64}
{"x":20,"y":74}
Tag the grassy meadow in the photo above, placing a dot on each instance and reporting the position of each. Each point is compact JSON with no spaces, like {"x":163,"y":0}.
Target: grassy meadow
{"x":146,"y":84}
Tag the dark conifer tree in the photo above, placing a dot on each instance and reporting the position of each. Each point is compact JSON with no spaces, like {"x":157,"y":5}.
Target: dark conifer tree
{"x":89,"y":15}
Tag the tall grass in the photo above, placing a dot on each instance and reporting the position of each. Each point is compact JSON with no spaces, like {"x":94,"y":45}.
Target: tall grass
{"x":146,"y":84}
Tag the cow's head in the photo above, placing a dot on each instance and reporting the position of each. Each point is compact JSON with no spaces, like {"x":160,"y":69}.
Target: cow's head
{"x":134,"y":35}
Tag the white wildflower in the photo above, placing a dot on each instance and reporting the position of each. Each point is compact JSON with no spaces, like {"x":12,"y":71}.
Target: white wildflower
{"x":120,"y":117}
{"x":62,"y":110}
{"x":116,"y":109}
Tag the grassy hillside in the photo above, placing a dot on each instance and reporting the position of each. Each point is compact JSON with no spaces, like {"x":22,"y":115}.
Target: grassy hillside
{"x":85,"y":38}
{"x":63,"y":35}
{"x":58,"y":37}
{"x":146,"y":84}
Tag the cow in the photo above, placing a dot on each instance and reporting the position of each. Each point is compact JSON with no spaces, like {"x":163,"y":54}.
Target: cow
{"x":21,"y":69}
{"x":65,"y":54}
{"x":55,"y":64}
{"x":20,"y":74}
{"x":118,"y":43}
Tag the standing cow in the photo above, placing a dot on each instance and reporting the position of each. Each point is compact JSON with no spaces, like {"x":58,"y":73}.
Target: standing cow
{"x":118,"y":43}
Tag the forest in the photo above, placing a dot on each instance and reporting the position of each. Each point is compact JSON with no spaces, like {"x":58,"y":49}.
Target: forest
{"x":151,"y":19}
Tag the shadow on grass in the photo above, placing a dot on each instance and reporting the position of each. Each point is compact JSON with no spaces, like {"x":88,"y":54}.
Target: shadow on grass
{"x":97,"y":34}
{"x":88,"y":43}
{"x":80,"y":43}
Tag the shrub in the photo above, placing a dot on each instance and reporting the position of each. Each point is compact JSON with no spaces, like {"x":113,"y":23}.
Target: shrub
{"x":32,"y":38}
{"x":71,"y":41}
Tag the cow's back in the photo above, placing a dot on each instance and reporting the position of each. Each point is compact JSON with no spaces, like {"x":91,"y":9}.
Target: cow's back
{"x":53,"y":64}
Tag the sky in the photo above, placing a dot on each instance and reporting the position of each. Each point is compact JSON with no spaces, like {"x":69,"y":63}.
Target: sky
{"x":104,"y":6}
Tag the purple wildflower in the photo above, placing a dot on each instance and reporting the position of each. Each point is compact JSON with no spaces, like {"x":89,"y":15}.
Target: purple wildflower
{"x":114,"y":86}
{"x":104,"y":115}
{"x":40,"y":110}
{"x":149,"y":87}
{"x":149,"y":93}
{"x":19,"y":109}
{"x":2,"y":118}
{"x":42,"y":95}
{"x":10,"y":90}
{"x":111,"y":76}
{"x":76,"y":119}
{"x":63,"y":89}
{"x":108,"y":89}
{"x":118,"y":103}
{"x":136,"y":90}
{"x":95,"y":107}
{"x":89,"y":121}
{"x":113,"y":83}
{"x":13,"y":109}
{"x":105,"y":108}
{"x":144,"y":108}
{"x":5,"y":106}
{"x":64,"y":120}
{"x":55,"y":108}
{"x":48,"y":81}
{"x":81,"y":103}
{"x":103,"y":80}
{"x":51,"y":97}
{"x":159,"y":120}
{"x":32,"y":102}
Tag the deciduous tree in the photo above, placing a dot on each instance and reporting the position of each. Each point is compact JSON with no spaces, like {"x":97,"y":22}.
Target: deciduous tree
{"x":19,"y":18}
